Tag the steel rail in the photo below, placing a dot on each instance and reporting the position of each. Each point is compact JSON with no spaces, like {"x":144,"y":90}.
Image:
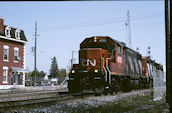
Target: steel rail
{"x":24,"y":102}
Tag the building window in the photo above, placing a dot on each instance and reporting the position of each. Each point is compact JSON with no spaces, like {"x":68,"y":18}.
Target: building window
{"x":17,"y":33}
{"x":6,"y":53}
{"x":5,"y":74}
{"x":7,"y":32}
{"x":16,"y":54}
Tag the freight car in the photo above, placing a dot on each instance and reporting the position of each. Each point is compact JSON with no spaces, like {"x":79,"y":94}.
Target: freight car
{"x":108,"y":65}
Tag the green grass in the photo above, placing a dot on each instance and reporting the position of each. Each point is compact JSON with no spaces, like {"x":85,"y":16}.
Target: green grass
{"x":132,"y":104}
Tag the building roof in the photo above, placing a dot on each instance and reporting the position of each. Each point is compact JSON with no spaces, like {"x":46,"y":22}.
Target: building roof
{"x":12,"y":33}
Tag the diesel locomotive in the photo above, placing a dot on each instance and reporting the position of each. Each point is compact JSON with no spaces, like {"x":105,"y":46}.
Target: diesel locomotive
{"x":108,"y":65}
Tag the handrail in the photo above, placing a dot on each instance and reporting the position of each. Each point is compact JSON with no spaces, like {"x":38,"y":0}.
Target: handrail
{"x":108,"y":69}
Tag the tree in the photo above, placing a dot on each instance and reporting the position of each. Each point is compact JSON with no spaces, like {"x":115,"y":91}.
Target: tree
{"x":39,"y":77}
{"x":62,"y":73}
{"x":54,"y":71}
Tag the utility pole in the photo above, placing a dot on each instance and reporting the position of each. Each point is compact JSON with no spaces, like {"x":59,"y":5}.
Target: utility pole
{"x":72,"y":59}
{"x":35,"y":53}
{"x":129,"y":29}
{"x":168,"y":51}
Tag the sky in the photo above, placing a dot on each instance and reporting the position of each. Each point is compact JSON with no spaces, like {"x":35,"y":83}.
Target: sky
{"x":63,"y":25}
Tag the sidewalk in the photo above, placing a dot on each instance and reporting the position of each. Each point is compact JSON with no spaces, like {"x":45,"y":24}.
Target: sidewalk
{"x":32,"y":88}
{"x":52,"y":87}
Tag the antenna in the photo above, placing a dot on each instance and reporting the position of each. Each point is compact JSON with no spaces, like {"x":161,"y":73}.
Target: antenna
{"x":128,"y":39}
{"x":137,"y":49}
{"x":149,"y":52}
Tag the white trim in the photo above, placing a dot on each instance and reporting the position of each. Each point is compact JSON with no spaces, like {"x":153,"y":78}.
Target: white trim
{"x":16,"y":49}
{"x":7,"y":31}
{"x":6,"y":47}
{"x":5,"y":68}
{"x":17,"y":34}
{"x":16,"y":61}
{"x":3,"y":37}
{"x":6,"y":60}
{"x":5,"y":82}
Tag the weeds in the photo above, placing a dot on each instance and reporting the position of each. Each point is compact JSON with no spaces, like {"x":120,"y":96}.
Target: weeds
{"x":132,"y":104}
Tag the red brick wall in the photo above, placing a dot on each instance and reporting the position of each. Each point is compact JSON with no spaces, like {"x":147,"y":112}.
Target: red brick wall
{"x":10,"y":63}
{"x":1,"y":25}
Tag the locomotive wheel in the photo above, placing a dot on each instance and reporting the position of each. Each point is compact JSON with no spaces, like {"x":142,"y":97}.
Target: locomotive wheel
{"x":111,"y":92}
{"x":105,"y":92}
{"x":151,"y":84}
{"x":116,"y":91}
{"x":111,"y":89}
{"x":97,"y":92}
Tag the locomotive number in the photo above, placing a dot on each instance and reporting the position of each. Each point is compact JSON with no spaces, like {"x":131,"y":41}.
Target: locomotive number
{"x":119,"y":59}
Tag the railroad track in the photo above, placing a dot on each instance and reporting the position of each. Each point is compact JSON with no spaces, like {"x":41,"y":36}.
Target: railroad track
{"x":21,"y":96}
{"x":18,"y":91}
{"x":61,"y":97}
{"x":12,"y":104}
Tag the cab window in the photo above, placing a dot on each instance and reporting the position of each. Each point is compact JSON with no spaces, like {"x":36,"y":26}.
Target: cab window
{"x":111,"y":48}
{"x":119,"y":50}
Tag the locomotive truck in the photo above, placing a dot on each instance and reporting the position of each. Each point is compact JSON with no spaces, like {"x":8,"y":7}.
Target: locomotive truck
{"x":108,"y":65}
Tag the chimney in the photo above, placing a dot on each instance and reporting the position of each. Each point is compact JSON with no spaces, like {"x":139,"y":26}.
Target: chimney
{"x":1,"y":25}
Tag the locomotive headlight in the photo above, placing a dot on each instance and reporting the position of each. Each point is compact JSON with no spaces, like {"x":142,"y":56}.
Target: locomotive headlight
{"x":96,"y":70}
{"x":73,"y":71}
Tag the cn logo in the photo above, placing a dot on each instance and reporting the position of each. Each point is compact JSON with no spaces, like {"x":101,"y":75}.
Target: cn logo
{"x":88,"y":62}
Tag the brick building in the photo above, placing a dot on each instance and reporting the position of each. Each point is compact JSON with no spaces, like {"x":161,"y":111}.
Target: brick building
{"x":12,"y":56}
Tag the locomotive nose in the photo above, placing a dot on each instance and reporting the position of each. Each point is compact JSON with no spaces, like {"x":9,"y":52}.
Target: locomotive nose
{"x":91,"y":58}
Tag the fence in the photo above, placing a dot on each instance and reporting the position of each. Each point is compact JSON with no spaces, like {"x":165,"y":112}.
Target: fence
{"x":159,"y":84}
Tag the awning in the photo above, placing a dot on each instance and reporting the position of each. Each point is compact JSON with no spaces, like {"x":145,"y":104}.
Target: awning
{"x":16,"y":69}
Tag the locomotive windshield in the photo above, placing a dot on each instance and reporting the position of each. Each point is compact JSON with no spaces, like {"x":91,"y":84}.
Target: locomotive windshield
{"x":98,"y":45}
{"x":101,"y":43}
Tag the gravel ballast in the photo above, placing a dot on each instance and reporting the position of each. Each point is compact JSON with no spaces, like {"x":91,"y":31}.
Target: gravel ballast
{"x":82,"y":103}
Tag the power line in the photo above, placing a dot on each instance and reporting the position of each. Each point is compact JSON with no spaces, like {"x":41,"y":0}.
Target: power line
{"x":140,"y":27}
{"x":99,"y":23}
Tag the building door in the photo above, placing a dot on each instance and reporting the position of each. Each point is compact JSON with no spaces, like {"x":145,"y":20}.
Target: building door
{"x":15,"y":80}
